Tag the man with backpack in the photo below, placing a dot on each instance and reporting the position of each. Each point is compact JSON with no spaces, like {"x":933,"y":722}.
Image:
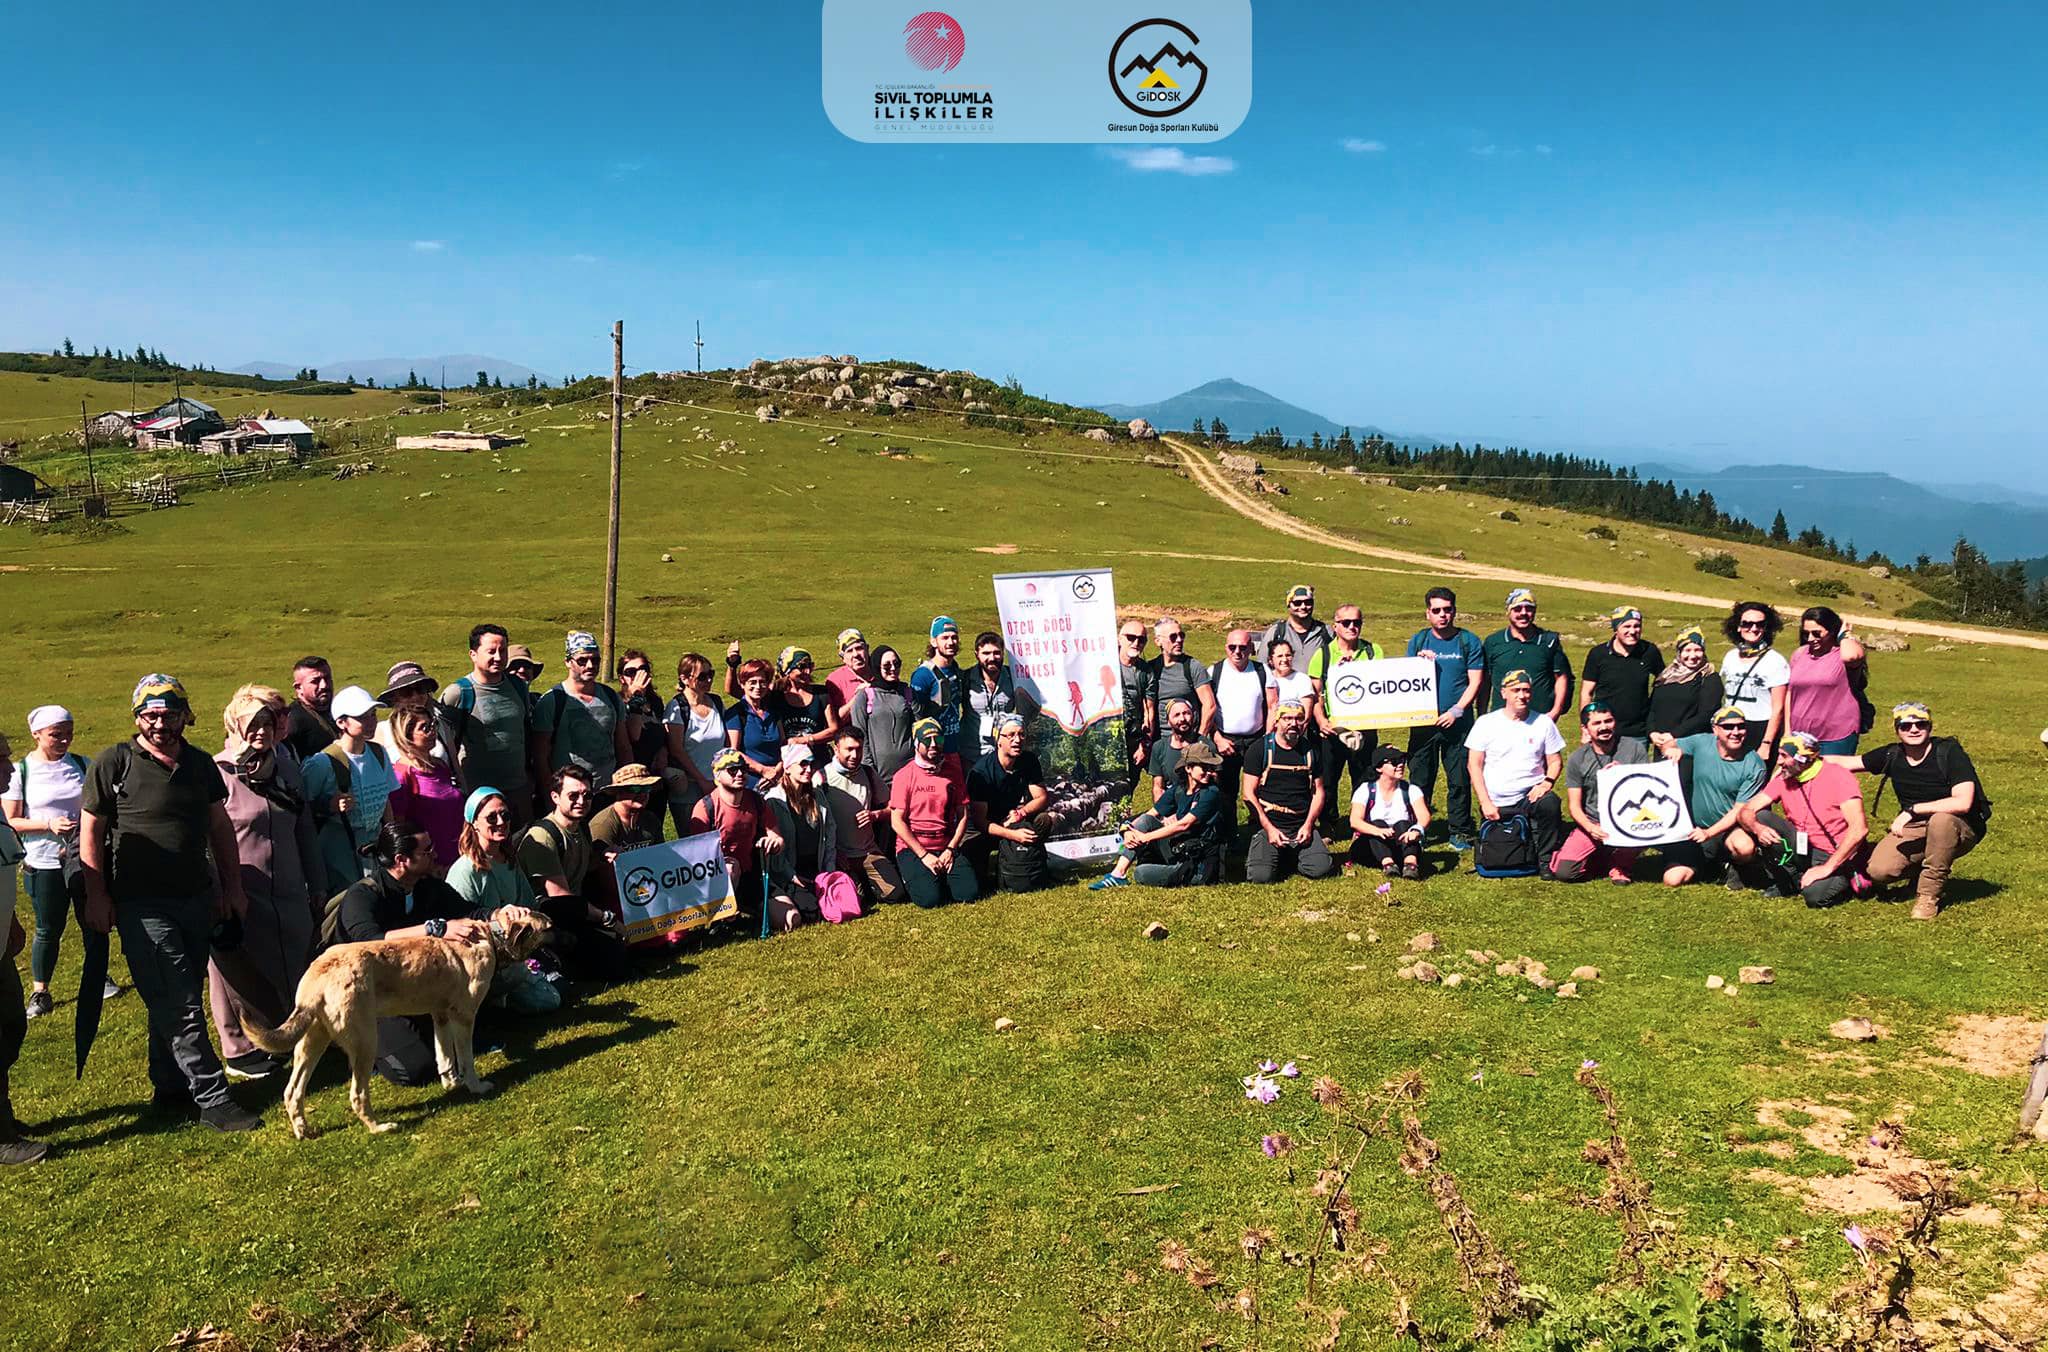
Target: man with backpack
{"x":1285,"y":793}
{"x":1943,"y":809}
{"x":556,"y":855}
{"x":1343,"y":748}
{"x":582,"y":722}
{"x":487,"y":716}
{"x":348,"y":784}
{"x":1176,"y":675}
{"x":160,"y":861}
{"x":1528,"y":647}
{"x":1515,"y":755}
{"x":1299,"y":627}
{"x":1237,"y":686}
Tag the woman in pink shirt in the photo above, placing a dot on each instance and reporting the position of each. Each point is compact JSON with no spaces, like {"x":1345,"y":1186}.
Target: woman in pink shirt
{"x":1828,"y":674}
{"x":427,"y":792}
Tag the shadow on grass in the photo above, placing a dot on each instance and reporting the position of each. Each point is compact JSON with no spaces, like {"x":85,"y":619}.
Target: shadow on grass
{"x":1964,"y":891}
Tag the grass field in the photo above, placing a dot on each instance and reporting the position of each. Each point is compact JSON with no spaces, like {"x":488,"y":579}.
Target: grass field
{"x":821,"y":1141}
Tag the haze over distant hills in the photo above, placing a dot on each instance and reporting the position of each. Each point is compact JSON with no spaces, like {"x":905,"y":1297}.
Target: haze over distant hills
{"x":1244,"y":409}
{"x":462,"y":368}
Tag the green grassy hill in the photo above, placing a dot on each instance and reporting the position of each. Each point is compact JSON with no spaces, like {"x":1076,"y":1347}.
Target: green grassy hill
{"x":821,"y":1141}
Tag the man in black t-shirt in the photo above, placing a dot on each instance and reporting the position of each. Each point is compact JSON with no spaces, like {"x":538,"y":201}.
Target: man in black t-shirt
{"x":1620,"y":673}
{"x":1283,"y":786}
{"x":1006,"y":792}
{"x":154,"y":809}
{"x":1943,"y":810}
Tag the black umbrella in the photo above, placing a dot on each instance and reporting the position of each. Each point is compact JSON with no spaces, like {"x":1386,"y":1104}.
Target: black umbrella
{"x":92,"y":990}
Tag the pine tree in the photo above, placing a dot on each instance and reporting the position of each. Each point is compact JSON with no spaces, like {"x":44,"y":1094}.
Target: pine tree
{"x":69,"y":351}
{"x":1198,"y":429}
{"x":1219,"y":431}
{"x":1315,"y":440}
{"x":483,"y":380}
{"x":1780,"y":532}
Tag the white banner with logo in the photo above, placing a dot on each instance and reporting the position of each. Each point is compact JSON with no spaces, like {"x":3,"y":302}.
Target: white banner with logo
{"x":1643,"y":805}
{"x":1390,"y":692}
{"x":676,"y":885}
{"x":1059,"y":633}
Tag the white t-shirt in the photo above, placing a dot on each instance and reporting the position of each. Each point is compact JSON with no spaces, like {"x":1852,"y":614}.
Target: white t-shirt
{"x":53,"y":791}
{"x":1240,"y":701}
{"x":1387,"y":810}
{"x":1515,"y":751}
{"x":1752,"y":689}
{"x":1293,"y":688}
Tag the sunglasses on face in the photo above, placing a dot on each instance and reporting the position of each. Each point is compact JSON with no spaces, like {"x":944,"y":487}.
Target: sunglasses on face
{"x":1912,"y":725}
{"x":1174,"y":637}
{"x":1749,"y":624}
{"x":583,"y":660}
{"x":493,"y":818}
{"x":1132,"y":638}
{"x":1813,"y":633}
{"x":633,"y":671}
{"x":1237,"y":647}
{"x":1300,"y":605}
{"x":1441,"y":610}
{"x":1347,"y":621}
{"x":1521,"y":610}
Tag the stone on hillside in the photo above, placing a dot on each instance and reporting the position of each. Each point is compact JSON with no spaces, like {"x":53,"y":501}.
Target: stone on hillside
{"x":1142,"y":430}
{"x":1423,"y":971}
{"x":767,"y":413}
{"x":1883,"y":641}
{"x":1942,"y":648}
{"x":644,"y":401}
{"x":898,"y":399}
{"x":756,"y":366}
{"x":1757,"y":976}
{"x":906,"y":379}
{"x":1585,"y":973}
{"x":1568,"y":991}
{"x":1397,"y":521}
{"x":1424,"y":942}
{"x":1004,"y":1025}
{"x":976,"y":406}
{"x":1715,"y":983}
{"x":841,"y":394}
{"x":923,"y":382}
{"x":1477,"y":956}
{"x":1457,"y":554}
{"x":668,"y":558}
{"x":846,"y":374}
{"x":1155,"y":930}
{"x":1879,"y":570}
{"x":1097,"y":434}
{"x":1853,"y":1029}
{"x":1539,"y":981}
{"x":1455,"y":979}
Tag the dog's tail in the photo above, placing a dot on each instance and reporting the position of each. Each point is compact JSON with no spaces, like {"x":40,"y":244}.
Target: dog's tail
{"x":280,"y":1039}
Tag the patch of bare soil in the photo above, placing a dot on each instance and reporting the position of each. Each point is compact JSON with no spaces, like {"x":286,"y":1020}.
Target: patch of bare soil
{"x":995,"y":549}
{"x":2020,"y":1311}
{"x":1873,"y":1157}
{"x":1994,"y":1046}
{"x":1195,"y":616}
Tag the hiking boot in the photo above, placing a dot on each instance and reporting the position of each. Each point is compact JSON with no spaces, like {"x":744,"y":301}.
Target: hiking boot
{"x":1732,"y":880}
{"x":1926,"y":908}
{"x":229,"y":1116}
{"x":253,"y":1065}
{"x":1461,"y":843}
{"x":18,"y":1149}
{"x":173,"y":1104}
{"x":39,"y":1004}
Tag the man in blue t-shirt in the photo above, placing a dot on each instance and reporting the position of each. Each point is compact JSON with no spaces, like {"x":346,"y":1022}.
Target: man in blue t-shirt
{"x":940,"y":689}
{"x":1460,"y":673}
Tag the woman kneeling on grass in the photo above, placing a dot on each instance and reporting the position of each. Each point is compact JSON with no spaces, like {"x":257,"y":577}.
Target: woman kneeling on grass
{"x":1180,"y":841}
{"x":803,"y":818}
{"x":1388,"y":817}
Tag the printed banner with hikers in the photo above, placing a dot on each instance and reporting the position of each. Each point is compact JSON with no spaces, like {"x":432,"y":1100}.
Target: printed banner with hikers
{"x":1060,"y":631}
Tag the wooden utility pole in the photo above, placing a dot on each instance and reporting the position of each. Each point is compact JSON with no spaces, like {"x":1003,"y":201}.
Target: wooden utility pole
{"x":611,"y":550}
{"x":85,"y":439}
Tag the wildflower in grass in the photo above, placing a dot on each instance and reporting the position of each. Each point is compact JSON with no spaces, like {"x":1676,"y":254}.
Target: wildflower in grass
{"x":1290,"y":1071}
{"x":1383,"y":889}
{"x":1261,"y":1088}
{"x":1327,"y":1092}
{"x":1859,"y":1242}
{"x":1173,"y":1255}
{"x":1276,"y":1144}
{"x":1268,"y":1067}
{"x":1479,"y":1077}
{"x":1589,"y":1064}
{"x":1247,"y":1304}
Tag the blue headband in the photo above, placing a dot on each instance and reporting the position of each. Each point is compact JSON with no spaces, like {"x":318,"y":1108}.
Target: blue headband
{"x":477,"y":800}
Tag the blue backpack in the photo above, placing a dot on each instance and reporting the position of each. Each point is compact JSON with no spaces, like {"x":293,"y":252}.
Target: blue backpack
{"x":1505,"y":849}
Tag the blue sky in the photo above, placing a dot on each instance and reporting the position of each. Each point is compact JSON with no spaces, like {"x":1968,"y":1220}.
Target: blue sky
{"x":1814,"y":235}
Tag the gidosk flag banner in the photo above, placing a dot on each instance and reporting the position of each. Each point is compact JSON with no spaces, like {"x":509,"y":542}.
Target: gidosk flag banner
{"x":1643,"y":805}
{"x":1387,"y":692}
{"x":674,"y":886}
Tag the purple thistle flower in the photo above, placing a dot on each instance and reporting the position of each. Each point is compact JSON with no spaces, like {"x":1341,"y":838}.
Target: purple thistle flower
{"x":1291,"y":1071}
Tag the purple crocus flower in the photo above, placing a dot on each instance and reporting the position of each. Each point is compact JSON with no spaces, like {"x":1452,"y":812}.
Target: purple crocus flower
{"x":1260,"y":1088}
{"x":1270,"y":1146}
{"x":1589,"y":1064}
{"x":1291,"y":1071}
{"x":1383,"y":889}
{"x":1268,"y":1067}
{"x":1858,"y":1241}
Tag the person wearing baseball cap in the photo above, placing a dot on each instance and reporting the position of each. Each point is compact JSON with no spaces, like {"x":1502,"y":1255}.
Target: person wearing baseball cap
{"x":1299,"y":626}
{"x":582,"y":721}
{"x":1180,"y":841}
{"x":42,"y":802}
{"x":1814,"y":843}
{"x":853,"y":674}
{"x":153,"y":815}
{"x":1527,"y":647}
{"x":1620,"y":673}
{"x":349,"y":785}
{"x":15,"y":1147}
{"x":1726,"y":773}
{"x":1515,"y":755}
{"x":487,"y":714}
{"x":1943,"y":809}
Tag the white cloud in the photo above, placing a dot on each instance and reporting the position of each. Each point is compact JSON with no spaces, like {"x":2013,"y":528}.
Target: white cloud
{"x":1359,"y":146}
{"x":1486,"y":151}
{"x":1542,"y":149}
{"x":582,"y":258}
{"x":1172,"y":160}
{"x":429,"y":245}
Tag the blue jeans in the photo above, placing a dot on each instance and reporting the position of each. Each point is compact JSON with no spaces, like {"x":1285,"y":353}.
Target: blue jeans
{"x":167,"y":941}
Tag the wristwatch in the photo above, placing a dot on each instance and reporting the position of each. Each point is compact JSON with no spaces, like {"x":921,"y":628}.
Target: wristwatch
{"x":437,"y":928}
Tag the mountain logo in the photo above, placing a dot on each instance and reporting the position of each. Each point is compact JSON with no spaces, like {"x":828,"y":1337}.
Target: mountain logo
{"x":1641,"y":807}
{"x":1153,"y":68}
{"x":1349,"y":689}
{"x":1084,"y":587}
{"x":642,"y":887}
{"x":933,"y":41}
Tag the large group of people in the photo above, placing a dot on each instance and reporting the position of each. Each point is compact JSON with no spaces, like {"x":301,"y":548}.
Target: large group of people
{"x":338,"y":815}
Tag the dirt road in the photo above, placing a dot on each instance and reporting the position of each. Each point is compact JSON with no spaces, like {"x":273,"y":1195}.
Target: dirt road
{"x":1212,"y":480}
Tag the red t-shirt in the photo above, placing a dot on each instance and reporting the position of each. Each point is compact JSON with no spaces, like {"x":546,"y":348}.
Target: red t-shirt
{"x":739,"y":826}
{"x":931,"y":801}
{"x":844,"y":684}
{"x":1815,"y":807}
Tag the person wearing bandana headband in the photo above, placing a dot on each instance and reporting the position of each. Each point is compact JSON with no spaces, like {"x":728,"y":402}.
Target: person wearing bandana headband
{"x":1813,"y":843}
{"x":1526,"y":646}
{"x":1686,"y":693}
{"x":279,"y":850}
{"x":1943,"y":810}
{"x":1754,"y":675}
{"x":928,"y":808}
{"x":160,"y":861}
{"x":42,"y":805}
{"x":1619,"y":674}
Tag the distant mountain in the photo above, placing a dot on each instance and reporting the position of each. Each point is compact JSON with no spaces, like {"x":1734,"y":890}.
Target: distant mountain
{"x":462,"y":368}
{"x":1244,"y":409}
{"x":1875,"y":511}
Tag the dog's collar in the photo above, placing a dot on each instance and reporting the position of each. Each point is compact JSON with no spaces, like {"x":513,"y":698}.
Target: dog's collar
{"x":501,"y":938}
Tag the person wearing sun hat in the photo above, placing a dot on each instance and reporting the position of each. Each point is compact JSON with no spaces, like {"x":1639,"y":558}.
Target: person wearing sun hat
{"x":1686,"y":693}
{"x":581,"y":721}
{"x":1299,"y":627}
{"x":1620,"y":673}
{"x":1943,"y":810}
{"x":928,"y":808}
{"x":160,"y":861}
{"x":1527,"y":647}
{"x":1814,"y":843}
{"x":1726,"y":773}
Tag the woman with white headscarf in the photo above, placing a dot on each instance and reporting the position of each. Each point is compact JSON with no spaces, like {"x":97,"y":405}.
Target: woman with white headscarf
{"x":280,"y":857}
{"x":42,"y":802}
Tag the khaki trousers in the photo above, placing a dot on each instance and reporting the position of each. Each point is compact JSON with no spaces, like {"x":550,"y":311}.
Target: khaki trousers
{"x":1933,"y":845}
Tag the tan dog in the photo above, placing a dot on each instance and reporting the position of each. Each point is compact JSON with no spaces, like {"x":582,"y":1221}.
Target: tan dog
{"x":350,"y":986}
